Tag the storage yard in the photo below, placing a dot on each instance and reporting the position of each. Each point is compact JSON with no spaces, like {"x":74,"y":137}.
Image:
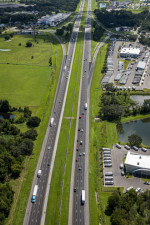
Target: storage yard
{"x":128,"y":66}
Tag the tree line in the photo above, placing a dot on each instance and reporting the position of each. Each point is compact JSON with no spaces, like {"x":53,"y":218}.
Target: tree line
{"x":129,"y":208}
{"x":14,"y":147}
{"x":115,"y":104}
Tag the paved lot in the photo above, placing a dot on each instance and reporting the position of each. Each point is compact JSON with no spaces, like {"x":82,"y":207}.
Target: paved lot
{"x":146,"y":83}
{"x":117,"y":156}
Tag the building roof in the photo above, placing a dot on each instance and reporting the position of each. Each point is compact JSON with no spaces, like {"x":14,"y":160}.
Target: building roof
{"x":138,"y":160}
{"x":141,"y":65}
{"x":132,"y":51}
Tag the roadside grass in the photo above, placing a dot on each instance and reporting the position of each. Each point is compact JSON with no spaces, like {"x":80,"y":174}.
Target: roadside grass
{"x":137,"y":117}
{"x":52,"y":215}
{"x":102,"y":134}
{"x":42,"y":108}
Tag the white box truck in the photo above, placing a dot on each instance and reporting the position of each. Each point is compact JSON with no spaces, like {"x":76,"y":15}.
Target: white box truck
{"x":34,"y":193}
{"x":83,"y":197}
{"x":39,"y":173}
{"x":52,"y":122}
{"x":85,"y":106}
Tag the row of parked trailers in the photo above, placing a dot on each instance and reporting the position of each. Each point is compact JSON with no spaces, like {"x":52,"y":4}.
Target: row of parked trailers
{"x":108,"y":163}
{"x":107,"y":157}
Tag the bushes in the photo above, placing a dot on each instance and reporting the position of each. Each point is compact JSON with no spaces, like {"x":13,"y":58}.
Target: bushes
{"x":33,"y":121}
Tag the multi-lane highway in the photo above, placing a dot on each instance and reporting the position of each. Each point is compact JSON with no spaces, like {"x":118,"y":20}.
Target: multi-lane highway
{"x":34,"y":212}
{"x":81,"y":165}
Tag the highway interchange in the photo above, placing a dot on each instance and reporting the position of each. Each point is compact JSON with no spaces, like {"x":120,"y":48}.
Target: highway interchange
{"x":78,"y":213}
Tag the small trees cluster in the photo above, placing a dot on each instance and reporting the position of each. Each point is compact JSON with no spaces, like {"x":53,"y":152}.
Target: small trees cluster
{"x":135,"y":139}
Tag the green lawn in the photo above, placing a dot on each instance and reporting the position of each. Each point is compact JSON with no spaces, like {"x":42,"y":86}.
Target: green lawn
{"x":29,"y":83}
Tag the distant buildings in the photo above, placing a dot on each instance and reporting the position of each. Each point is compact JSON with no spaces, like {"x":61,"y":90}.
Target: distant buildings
{"x":53,"y":20}
{"x":130,"y":52}
{"x":137,"y":164}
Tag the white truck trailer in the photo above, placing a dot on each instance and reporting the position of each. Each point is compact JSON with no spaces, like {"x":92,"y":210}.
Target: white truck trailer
{"x":34,"y":193}
{"x":83,"y":197}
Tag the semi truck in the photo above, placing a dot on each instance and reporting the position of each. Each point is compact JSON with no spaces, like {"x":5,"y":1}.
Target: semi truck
{"x":52,"y":122}
{"x":34,"y":193}
{"x":83,"y":197}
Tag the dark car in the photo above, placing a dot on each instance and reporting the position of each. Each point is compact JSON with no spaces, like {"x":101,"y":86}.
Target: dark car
{"x":75,"y":189}
{"x":80,"y":117}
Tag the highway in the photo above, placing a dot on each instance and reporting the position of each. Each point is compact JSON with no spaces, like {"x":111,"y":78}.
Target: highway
{"x":81,"y":159}
{"x":34,"y":211}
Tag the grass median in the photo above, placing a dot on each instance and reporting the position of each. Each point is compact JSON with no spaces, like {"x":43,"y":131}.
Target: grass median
{"x":65,"y":139}
{"x":31,"y":83}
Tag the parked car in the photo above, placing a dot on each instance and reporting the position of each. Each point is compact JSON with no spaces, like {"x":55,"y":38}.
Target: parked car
{"x":121,"y":166}
{"x":144,"y":149}
{"x":138,"y":189}
{"x":122,"y":173}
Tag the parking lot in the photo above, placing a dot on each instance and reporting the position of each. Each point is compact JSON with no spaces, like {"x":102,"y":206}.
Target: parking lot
{"x":130,"y":75}
{"x":117,"y":156}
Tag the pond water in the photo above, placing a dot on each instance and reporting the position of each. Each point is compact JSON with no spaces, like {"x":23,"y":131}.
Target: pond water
{"x":5,"y":50}
{"x":7,"y":116}
{"x":139,"y":98}
{"x":139,"y":127}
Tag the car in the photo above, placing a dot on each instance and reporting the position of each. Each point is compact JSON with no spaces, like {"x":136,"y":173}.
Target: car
{"x":121,"y":166}
{"x":118,"y":146}
{"x":127,"y":147}
{"x":138,"y":189}
{"x":122,"y":173}
{"x":83,"y":153}
{"x":49,"y":148}
{"x":146,"y":182}
{"x":82,"y":130}
{"x":77,"y":149}
{"x":79,"y":168}
{"x":80,"y":117}
{"x":76,"y":159}
{"x":79,"y":129}
{"x":75,"y":189}
{"x":81,"y":142}
{"x":144,"y":149}
{"x":48,"y":164}
{"x":80,"y":154}
{"x":129,"y":188}
{"x":135,"y":148}
{"x":83,"y":113}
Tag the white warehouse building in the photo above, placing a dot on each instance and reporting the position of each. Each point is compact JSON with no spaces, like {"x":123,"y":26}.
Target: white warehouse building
{"x":137,"y":164}
{"x":130,"y":52}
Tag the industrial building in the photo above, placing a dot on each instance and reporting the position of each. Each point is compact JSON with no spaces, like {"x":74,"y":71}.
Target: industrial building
{"x":130,"y":52}
{"x":137,"y":164}
{"x":53,"y":20}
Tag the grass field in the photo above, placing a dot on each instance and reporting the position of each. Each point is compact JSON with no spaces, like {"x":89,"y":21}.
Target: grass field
{"x":34,"y":85}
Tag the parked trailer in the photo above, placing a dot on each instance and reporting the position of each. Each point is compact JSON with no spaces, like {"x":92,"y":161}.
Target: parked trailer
{"x":108,"y":178}
{"x":107,"y":158}
{"x":106,"y":149}
{"x":118,"y":146}
{"x":108,"y":165}
{"x":52,"y":122}
{"x":107,"y":161}
{"x":107,"y":152}
{"x":109,"y":174}
{"x":107,"y":155}
{"x":109,"y":182}
{"x":83,"y":197}
{"x":34,"y":193}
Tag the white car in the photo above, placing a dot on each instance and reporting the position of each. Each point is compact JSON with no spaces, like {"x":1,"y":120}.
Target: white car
{"x":138,"y":189}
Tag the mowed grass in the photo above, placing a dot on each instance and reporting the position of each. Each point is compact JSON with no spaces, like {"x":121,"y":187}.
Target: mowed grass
{"x":53,"y":207}
{"x":35,"y":88}
{"x":102,"y":134}
{"x":24,"y":80}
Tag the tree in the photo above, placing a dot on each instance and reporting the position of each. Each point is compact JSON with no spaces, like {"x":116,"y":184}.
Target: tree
{"x":33,"y":121}
{"x":16,"y":169}
{"x":28,"y":44}
{"x":4,"y":106}
{"x":27,"y":112}
{"x":112,"y":112}
{"x":26,"y":147}
{"x":7,"y":37}
{"x":110,"y":87}
{"x":60,"y":32}
{"x":135,"y":139}
{"x":50,"y":61}
{"x":31,"y":134}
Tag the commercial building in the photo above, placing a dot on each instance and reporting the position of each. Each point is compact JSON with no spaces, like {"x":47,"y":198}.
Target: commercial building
{"x":137,"y":164}
{"x":130,"y":52}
